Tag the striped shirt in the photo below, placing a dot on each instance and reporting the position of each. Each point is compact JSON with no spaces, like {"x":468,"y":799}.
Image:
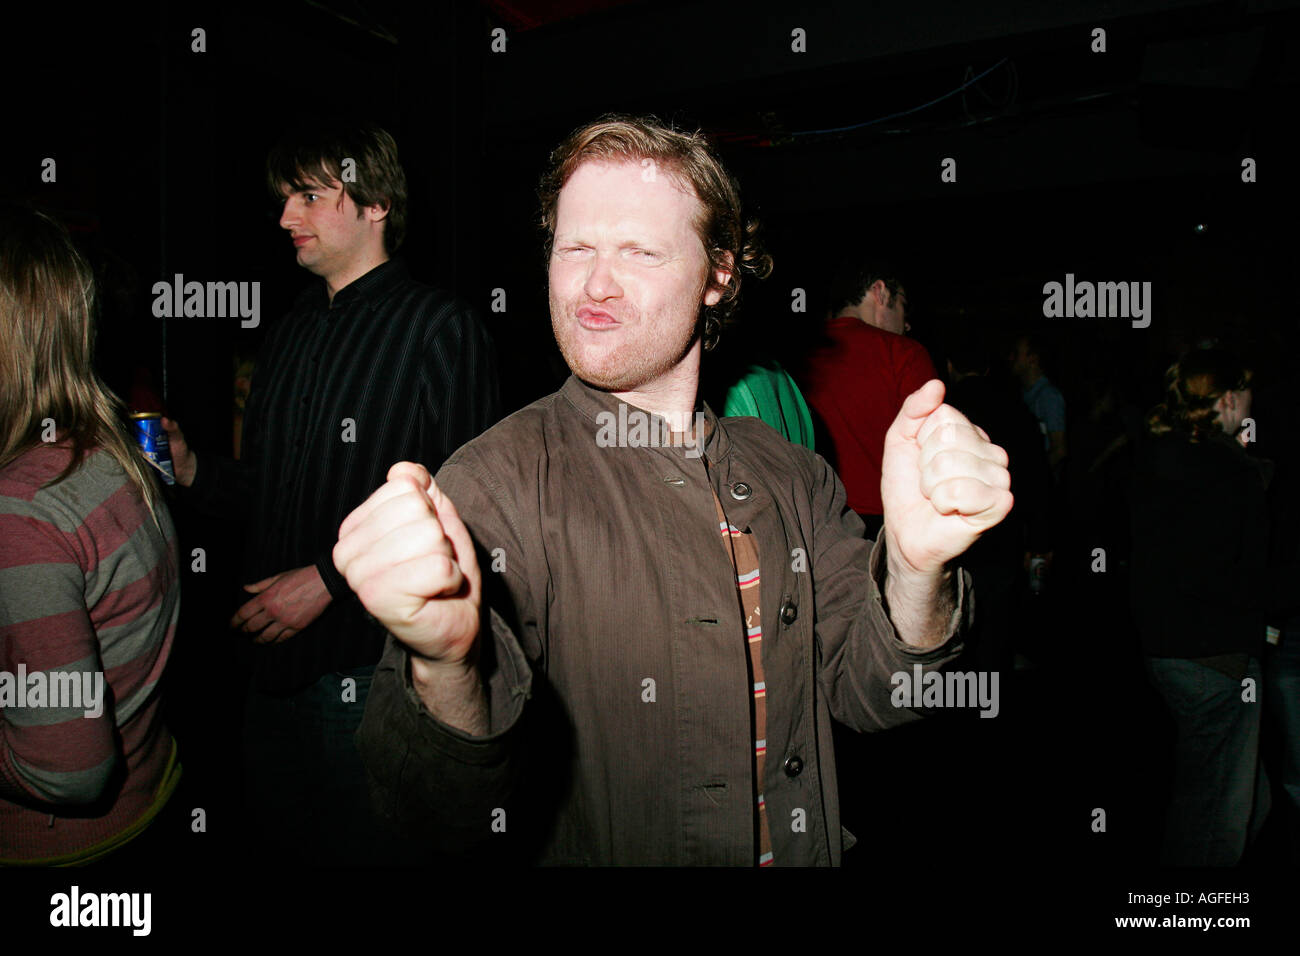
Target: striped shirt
{"x":743,"y":552}
{"x":392,"y":370}
{"x":89,"y":597}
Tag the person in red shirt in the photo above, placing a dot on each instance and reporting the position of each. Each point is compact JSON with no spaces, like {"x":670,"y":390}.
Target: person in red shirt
{"x":858,"y":376}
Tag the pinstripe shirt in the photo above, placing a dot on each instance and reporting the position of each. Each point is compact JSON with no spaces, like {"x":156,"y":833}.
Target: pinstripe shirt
{"x":392,"y":370}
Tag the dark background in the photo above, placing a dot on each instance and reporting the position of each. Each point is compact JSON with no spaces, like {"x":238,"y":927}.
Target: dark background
{"x":1099,"y":164}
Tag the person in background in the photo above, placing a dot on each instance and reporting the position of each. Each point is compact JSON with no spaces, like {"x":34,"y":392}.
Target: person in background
{"x":1282,"y":657}
{"x":740,"y":375}
{"x":996,"y":561}
{"x":369,"y":366}
{"x":746,"y":384}
{"x":89,"y":578}
{"x":1043,"y":398}
{"x":766,"y":391}
{"x":1202,"y":591}
{"x":857,"y":380}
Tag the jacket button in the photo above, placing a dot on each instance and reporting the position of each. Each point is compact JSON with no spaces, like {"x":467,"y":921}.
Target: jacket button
{"x":793,"y":766}
{"x":789,"y":613}
{"x":740,"y":491}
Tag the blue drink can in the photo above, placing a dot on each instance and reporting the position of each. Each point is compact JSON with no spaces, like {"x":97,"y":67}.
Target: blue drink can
{"x":149,"y":435}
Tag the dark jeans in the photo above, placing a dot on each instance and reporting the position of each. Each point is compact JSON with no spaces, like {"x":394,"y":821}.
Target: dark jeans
{"x":1220,"y":794}
{"x":306,"y":791}
{"x":1282,"y":676}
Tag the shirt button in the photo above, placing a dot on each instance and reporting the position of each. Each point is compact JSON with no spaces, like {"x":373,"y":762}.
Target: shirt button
{"x":793,"y":766}
{"x":306,"y":400}
{"x":789,"y":612}
{"x":740,"y":491}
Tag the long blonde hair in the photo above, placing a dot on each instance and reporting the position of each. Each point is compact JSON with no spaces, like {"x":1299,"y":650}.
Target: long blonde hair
{"x":47,"y":344}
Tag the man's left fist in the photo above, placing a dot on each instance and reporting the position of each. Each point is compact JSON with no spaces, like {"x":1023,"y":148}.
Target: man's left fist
{"x":942,"y":482}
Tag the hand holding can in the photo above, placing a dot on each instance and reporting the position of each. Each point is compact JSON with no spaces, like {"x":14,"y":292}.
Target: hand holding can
{"x":152,"y":439}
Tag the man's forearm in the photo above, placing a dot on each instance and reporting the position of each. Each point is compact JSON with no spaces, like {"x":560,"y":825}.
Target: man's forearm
{"x":186,"y":469}
{"x":920,"y":607}
{"x":452,"y":693}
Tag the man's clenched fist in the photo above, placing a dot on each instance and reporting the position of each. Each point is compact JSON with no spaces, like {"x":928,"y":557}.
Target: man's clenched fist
{"x":409,"y":558}
{"x":943,"y":483}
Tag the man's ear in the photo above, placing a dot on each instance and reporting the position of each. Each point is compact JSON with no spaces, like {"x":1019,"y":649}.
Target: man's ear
{"x":721,"y":278}
{"x":378,"y":212}
{"x":880,"y":292}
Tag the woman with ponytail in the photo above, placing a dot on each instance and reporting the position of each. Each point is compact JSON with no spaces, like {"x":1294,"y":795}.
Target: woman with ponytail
{"x":89,"y":583}
{"x":1201,"y":591}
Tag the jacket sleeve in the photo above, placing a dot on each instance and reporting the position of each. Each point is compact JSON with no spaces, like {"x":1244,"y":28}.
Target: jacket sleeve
{"x":449,"y":790}
{"x":859,"y":651}
{"x":432,"y":782}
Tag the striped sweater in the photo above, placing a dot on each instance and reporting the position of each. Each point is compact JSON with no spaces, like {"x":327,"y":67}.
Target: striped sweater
{"x":89,"y":597}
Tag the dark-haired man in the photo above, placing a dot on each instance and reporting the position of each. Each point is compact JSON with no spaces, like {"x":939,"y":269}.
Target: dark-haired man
{"x":859,"y":376}
{"x":585,"y":665}
{"x":370,"y":366}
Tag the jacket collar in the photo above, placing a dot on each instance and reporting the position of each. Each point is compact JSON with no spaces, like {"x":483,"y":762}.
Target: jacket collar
{"x":591,"y":403}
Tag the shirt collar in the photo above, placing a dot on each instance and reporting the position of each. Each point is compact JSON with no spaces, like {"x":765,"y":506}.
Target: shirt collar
{"x":853,"y":322}
{"x":374,"y":283}
{"x":592,"y":402}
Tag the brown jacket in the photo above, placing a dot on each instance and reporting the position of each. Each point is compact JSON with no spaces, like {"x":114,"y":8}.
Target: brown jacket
{"x":615,"y":614}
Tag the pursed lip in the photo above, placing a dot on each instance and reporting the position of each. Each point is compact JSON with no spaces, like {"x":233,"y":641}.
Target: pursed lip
{"x":596,"y":320}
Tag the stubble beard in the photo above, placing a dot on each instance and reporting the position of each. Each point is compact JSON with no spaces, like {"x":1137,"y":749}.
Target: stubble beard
{"x":631,"y":365}
{"x":310,"y":262}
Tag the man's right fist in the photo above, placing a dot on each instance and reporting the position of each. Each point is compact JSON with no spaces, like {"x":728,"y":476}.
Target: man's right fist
{"x":410,"y":559}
